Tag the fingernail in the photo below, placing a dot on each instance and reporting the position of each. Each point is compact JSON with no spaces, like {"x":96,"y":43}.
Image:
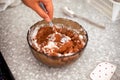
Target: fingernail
{"x":47,"y":19}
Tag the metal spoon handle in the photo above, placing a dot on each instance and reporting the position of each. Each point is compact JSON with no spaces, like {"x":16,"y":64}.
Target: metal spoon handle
{"x":70,"y":13}
{"x":43,"y":7}
{"x":90,"y":22}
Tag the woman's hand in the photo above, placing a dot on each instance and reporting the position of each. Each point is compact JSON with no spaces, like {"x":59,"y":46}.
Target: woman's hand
{"x":35,"y":5}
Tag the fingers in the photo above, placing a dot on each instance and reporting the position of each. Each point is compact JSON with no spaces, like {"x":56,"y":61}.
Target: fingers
{"x":42,"y":13}
{"x":34,"y":4}
{"x":49,"y":7}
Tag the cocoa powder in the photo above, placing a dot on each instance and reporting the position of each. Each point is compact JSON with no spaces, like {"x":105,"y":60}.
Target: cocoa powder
{"x":71,"y":44}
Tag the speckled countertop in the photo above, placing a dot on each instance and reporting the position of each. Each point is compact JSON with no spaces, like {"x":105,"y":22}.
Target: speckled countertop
{"x":103,"y":45}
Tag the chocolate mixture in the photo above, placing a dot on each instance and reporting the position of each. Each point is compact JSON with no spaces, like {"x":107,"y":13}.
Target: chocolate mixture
{"x":61,"y":42}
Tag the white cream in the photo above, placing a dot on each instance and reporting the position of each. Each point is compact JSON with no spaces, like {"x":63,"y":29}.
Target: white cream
{"x":33,"y":36}
{"x":34,"y":33}
{"x":80,"y":36}
{"x":65,"y":39}
{"x":50,"y":45}
{"x":68,"y":54}
{"x":51,"y":37}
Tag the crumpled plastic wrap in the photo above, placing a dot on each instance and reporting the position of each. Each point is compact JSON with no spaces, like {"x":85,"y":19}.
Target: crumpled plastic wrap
{"x":4,"y":4}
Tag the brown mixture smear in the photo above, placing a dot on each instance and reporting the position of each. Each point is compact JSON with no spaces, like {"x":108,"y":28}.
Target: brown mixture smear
{"x":58,"y":42}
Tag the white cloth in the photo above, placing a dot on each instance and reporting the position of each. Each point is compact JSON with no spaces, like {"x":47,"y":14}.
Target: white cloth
{"x":4,"y":4}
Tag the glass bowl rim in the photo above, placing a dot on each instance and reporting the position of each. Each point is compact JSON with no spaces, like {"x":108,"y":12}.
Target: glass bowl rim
{"x":28,"y":33}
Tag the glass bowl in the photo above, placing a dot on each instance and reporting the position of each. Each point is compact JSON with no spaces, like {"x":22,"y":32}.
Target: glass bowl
{"x":57,"y":61}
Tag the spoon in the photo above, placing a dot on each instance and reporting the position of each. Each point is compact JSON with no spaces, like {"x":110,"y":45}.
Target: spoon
{"x":43,"y":7}
{"x":70,"y":13}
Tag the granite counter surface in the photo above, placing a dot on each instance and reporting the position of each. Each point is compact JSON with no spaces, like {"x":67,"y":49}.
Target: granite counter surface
{"x":103,"y":44}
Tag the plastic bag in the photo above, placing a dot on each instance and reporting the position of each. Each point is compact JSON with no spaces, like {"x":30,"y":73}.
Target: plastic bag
{"x":4,"y":4}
